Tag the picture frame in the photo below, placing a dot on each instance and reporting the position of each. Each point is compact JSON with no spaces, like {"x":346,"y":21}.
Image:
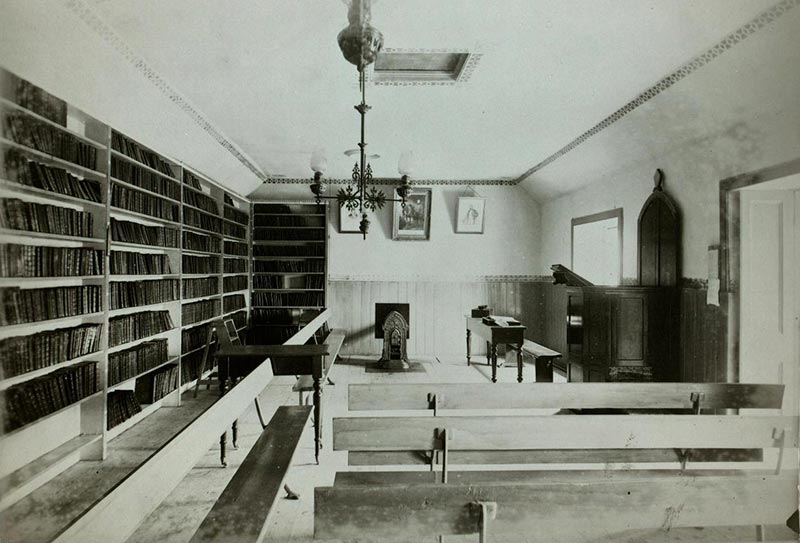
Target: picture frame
{"x":413,"y":222}
{"x":349,"y":221}
{"x":470,"y":215}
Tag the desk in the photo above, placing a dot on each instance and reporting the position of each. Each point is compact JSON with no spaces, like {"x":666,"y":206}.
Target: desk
{"x":236,"y":361}
{"x":494,"y":336}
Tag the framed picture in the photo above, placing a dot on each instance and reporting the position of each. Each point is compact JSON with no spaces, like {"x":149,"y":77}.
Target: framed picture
{"x":413,"y":222}
{"x":349,"y":221}
{"x":470,"y":214}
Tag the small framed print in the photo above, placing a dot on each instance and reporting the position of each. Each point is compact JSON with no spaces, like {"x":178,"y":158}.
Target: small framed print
{"x":470,"y":215}
{"x":413,"y":222}
{"x":349,"y":221}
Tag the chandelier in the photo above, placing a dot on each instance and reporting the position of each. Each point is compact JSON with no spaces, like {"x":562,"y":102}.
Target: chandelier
{"x":360,"y":43}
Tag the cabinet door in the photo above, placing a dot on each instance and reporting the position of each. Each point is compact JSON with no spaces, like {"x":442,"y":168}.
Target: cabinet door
{"x":596,"y":328}
{"x":629,"y":328}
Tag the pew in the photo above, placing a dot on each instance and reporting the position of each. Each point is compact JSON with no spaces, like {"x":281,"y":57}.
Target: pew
{"x":540,"y":504}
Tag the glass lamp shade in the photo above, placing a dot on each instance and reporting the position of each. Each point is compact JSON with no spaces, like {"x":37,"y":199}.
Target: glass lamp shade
{"x":406,"y":163}
{"x":319,"y":162}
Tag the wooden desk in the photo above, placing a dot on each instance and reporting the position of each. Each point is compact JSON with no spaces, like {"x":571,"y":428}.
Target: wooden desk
{"x":494,"y":336}
{"x":236,"y":361}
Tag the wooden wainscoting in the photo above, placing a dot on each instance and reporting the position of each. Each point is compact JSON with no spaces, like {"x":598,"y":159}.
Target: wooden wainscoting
{"x":437,"y":310}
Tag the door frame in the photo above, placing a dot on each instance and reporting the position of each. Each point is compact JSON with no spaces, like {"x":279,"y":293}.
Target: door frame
{"x":730,"y":246}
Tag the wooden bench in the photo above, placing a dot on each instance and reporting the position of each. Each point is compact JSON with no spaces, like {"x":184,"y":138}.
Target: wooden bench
{"x":545,"y":360}
{"x":558,"y":505}
{"x":240,"y":514}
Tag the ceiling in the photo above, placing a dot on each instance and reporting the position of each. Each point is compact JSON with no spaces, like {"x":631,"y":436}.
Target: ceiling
{"x":268,"y":74}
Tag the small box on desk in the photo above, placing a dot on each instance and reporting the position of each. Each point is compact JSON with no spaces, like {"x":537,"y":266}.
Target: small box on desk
{"x":481,"y":311}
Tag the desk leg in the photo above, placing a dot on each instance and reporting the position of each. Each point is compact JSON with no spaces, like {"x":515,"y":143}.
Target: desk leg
{"x":469,"y":338}
{"x":519,"y":363}
{"x":223,"y":439}
{"x":494,"y":362}
{"x":317,"y":417}
{"x":235,"y":434}
{"x":260,"y":416}
{"x":488,"y":354}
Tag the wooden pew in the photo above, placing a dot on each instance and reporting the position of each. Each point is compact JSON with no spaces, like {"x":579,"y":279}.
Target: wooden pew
{"x":240,"y":514}
{"x":556,"y":505}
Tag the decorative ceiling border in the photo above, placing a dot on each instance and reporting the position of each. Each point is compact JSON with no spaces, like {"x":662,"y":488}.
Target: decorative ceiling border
{"x":379,"y":278}
{"x":463,"y":76}
{"x":390,"y":181}
{"x":745,"y":31}
{"x":102,"y":29}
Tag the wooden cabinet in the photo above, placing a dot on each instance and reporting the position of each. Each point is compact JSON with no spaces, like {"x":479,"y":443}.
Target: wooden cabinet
{"x":620,"y":334}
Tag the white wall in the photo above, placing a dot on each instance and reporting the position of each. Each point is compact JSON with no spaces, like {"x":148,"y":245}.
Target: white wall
{"x":738,"y":113}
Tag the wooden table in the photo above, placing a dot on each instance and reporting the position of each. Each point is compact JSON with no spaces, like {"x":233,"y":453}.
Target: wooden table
{"x":236,"y":361}
{"x":494,"y":336}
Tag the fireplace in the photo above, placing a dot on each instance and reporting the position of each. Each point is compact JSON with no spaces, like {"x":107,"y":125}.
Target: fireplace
{"x":392,"y":324}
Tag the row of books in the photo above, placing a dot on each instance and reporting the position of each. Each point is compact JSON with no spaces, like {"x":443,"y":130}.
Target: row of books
{"x":239,"y":319}
{"x":41,"y":396}
{"x":190,"y":366}
{"x":289,"y":220}
{"x":292,"y":299}
{"x":125,"y":263}
{"x":141,"y":202}
{"x":145,"y":179}
{"x":194,"y":338}
{"x":132,"y":149}
{"x":234,"y":230}
{"x":153,"y":386}
{"x":235,"y":283}
{"x":200,"y":200}
{"x":25,"y":171}
{"x":32,"y":217}
{"x":135,"y":293}
{"x":50,"y":140}
{"x":236,"y":248}
{"x":234,"y":265}
{"x":23,"y":354}
{"x":192,"y":180}
{"x":273,"y":316}
{"x":315,"y":281}
{"x":233,"y":303}
{"x":280,"y":234}
{"x":127,"y":328}
{"x":314,"y":249}
{"x":131,"y":362}
{"x":200,"y":311}
{"x":275,"y":335}
{"x":122,"y":405}
{"x":233,"y":214}
{"x":43,"y":261}
{"x":196,"y":288}
{"x":288,"y":266}
{"x":199,"y":219}
{"x":268,"y":281}
{"x":134,"y":232}
{"x":19,"y":306}
{"x":289,"y":208}
{"x":200,"y":264}
{"x":41,"y":102}
{"x":204,"y":244}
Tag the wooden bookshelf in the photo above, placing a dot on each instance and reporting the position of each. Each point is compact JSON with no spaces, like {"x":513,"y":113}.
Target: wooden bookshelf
{"x":138,"y":212}
{"x":289,"y":265}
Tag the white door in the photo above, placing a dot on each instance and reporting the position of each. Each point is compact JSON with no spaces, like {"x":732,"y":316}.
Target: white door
{"x":769,"y":292}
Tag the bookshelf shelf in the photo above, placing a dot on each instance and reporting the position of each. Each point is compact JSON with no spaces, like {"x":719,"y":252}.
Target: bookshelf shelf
{"x":17,"y":379}
{"x":29,"y":328}
{"x":7,"y":232}
{"x":50,"y":282}
{"x":7,"y":185}
{"x":135,"y":342}
{"x":199,"y":323}
{"x":202,"y":231}
{"x":288,"y":290}
{"x":140,"y":308}
{"x":187,"y":300}
{"x":54,"y":160}
{"x":129,"y":380}
{"x":133,"y":186}
{"x":143,"y":276}
{"x":125,"y":214}
{"x":139,"y":246}
{"x":73,"y":405}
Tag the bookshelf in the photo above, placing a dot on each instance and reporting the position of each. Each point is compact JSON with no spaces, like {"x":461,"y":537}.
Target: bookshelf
{"x":113,"y":261}
{"x":289,"y":266}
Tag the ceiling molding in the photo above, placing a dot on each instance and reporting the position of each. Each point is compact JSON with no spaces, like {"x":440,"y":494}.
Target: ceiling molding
{"x":390,"y":181}
{"x":463,"y":76}
{"x":737,"y":36}
{"x":104,"y":31}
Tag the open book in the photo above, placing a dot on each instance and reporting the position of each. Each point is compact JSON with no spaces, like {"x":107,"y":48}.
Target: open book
{"x":501,"y":321}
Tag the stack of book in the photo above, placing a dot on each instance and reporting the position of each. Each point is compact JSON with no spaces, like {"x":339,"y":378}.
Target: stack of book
{"x":201,"y":243}
{"x":194,"y":338}
{"x":290,"y":266}
{"x":41,"y":396}
{"x":190,"y":179}
{"x":134,"y":232}
{"x":235,"y":248}
{"x":235,"y":215}
{"x":234,"y":231}
{"x":233,"y":302}
{"x":122,"y":405}
{"x":124,"y":263}
{"x":131,"y":362}
{"x":200,"y":264}
{"x":197,"y":288}
{"x":200,"y":311}
{"x":32,"y":217}
{"x":200,"y":200}
{"x":42,"y":261}
{"x":276,"y":234}
{"x":234,"y":283}
{"x":153,"y":386}
{"x":289,"y":250}
{"x":145,"y":156}
{"x":290,"y":299}
{"x":127,"y":328}
{"x":33,"y":174}
{"x":197,"y":219}
{"x":145,"y":179}
{"x":19,"y":306}
{"x":141,"y":202}
{"x":20,"y":355}
{"x":235,"y":265}
{"x":42,"y":102}
{"x":135,"y":293}
{"x":50,"y":140}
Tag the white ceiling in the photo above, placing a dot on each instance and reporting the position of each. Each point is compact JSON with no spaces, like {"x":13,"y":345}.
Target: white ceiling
{"x":268,"y":74}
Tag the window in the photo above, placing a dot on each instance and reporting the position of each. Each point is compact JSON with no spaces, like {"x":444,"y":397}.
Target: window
{"x":597,"y":247}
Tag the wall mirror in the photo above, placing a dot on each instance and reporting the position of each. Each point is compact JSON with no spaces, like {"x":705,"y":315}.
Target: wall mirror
{"x":597,"y":247}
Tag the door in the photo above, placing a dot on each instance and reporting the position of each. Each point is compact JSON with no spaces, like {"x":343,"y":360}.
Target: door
{"x":770,"y":283}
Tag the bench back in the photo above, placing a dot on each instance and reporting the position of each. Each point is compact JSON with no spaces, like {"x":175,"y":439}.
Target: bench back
{"x":649,"y":396}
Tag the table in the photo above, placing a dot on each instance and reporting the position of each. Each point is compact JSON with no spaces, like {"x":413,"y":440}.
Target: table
{"x":494,"y":336}
{"x":235,"y":361}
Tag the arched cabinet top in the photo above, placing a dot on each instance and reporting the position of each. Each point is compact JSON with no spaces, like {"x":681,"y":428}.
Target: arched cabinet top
{"x":659,"y":238}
